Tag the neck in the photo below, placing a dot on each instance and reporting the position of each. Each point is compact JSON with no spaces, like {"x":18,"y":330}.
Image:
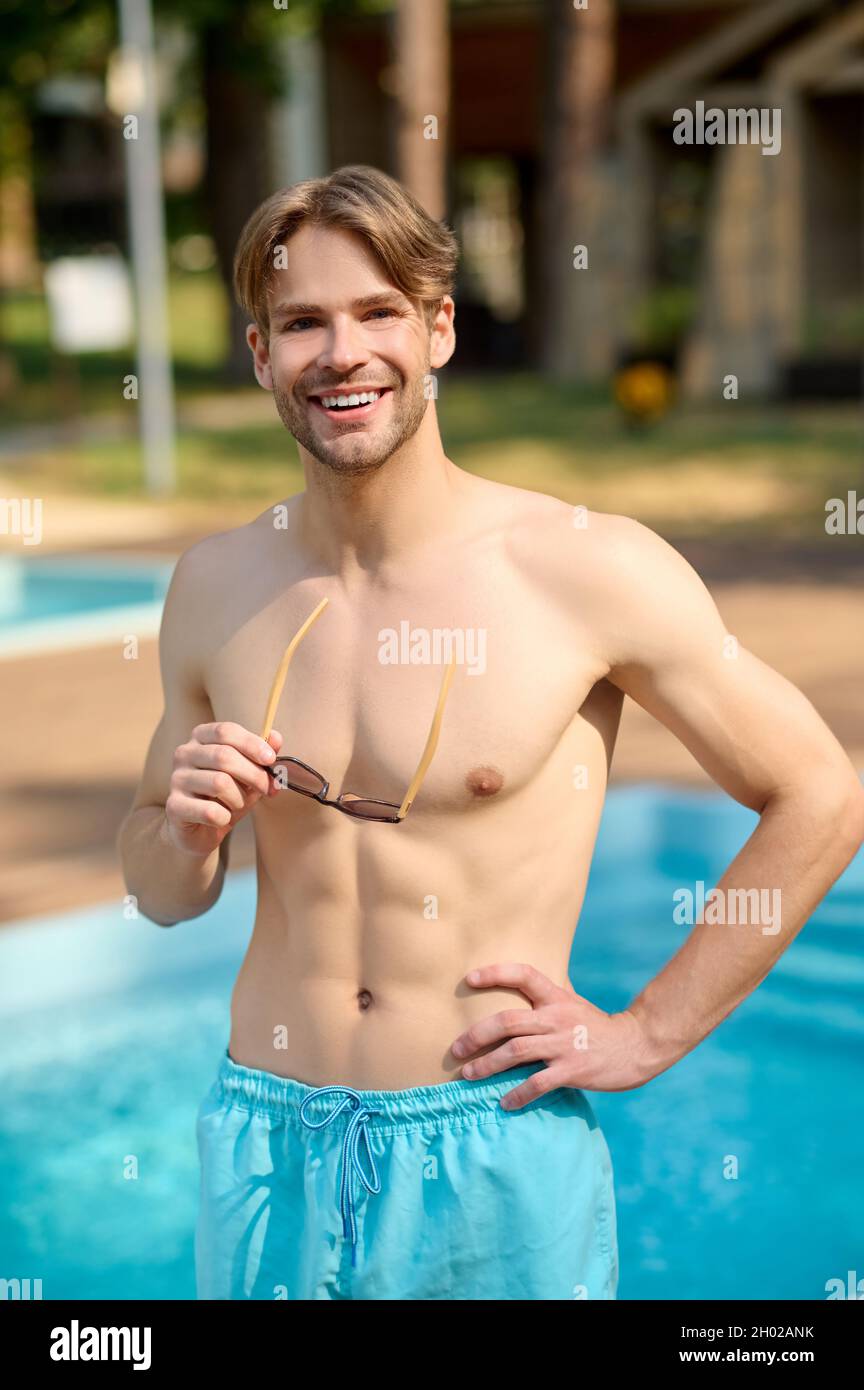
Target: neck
{"x":367,"y":521}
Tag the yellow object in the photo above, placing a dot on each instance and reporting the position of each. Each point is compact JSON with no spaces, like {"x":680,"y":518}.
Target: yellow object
{"x":431,"y":741}
{"x":644,"y":390}
{"x":282,"y":669}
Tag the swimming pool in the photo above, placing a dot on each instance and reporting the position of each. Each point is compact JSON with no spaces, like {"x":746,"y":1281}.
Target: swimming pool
{"x":48,"y":604}
{"x":110,"y":1032}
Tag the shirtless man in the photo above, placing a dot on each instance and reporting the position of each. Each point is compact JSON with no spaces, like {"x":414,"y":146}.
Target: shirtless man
{"x":345,"y":1152}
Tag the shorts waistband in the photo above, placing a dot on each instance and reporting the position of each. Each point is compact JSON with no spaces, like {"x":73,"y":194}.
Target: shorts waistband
{"x":460,"y":1101}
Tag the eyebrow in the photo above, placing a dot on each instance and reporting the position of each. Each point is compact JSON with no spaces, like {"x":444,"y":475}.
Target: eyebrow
{"x":368,"y":301}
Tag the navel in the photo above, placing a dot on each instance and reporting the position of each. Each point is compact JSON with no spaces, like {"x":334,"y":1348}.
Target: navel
{"x":364,"y":999}
{"x":484,"y":781}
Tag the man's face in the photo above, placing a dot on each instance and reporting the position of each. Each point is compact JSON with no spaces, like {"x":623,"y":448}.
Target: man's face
{"x":339,"y":328}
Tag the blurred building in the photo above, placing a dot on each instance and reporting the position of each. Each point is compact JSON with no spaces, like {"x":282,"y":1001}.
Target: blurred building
{"x":717,"y":256}
{"x":713,"y":257}
{"x":76,"y":199}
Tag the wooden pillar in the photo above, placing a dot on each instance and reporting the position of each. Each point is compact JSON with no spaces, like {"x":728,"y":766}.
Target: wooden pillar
{"x":576,"y":189}
{"x":421,"y":41}
{"x":636,"y":215}
{"x":735,"y":330}
{"x":788,"y":269}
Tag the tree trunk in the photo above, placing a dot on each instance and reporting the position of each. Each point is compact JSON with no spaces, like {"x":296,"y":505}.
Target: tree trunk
{"x":421,"y":59}
{"x":237,"y":169}
{"x":579,"y":69}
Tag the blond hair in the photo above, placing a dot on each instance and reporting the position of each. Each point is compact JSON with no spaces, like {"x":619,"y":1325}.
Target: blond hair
{"x":417,"y":254}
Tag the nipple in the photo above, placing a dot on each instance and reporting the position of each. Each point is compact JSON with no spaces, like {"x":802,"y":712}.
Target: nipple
{"x":484,"y":781}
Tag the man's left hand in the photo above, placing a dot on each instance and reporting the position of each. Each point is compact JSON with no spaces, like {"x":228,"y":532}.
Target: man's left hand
{"x":581,"y":1045}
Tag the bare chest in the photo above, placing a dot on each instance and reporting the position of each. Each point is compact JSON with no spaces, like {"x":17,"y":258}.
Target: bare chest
{"x":363,"y":683}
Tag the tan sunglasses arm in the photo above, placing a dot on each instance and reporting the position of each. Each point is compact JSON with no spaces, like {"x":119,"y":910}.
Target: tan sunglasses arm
{"x":431,"y":742}
{"x":279,"y":678}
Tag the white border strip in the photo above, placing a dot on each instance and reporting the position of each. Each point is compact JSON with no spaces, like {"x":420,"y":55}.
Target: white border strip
{"x":109,"y":626}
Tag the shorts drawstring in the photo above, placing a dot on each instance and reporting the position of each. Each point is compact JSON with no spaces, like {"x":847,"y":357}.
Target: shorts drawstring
{"x":350,"y":1154}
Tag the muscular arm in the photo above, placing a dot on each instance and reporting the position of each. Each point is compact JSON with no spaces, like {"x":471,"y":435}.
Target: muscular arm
{"x":169,"y":884}
{"x":762,"y":741}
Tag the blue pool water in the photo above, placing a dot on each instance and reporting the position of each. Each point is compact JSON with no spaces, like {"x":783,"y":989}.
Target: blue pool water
{"x":50,"y":604}
{"x":111,"y":1030}
{"x":31,"y":590}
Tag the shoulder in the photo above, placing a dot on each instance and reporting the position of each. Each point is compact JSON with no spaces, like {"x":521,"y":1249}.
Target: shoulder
{"x":601,"y":550}
{"x":635,"y":593}
{"x":205,"y":585}
{"x":216,"y":563}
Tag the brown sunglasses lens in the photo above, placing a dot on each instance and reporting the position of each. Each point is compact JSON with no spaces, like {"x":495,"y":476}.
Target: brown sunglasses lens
{"x":298,"y":778}
{"x":369,"y":810}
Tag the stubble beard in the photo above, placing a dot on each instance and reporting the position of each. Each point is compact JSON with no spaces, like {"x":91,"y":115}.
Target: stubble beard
{"x":366,"y":450}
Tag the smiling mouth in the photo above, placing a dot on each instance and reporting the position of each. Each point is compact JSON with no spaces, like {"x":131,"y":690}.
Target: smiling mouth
{"x":359,"y":411}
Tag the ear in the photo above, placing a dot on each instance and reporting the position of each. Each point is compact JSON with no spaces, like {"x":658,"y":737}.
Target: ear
{"x":442,"y":342}
{"x":259,"y":346}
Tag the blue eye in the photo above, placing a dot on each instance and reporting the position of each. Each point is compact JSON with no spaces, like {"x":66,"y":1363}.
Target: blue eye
{"x":297,"y":323}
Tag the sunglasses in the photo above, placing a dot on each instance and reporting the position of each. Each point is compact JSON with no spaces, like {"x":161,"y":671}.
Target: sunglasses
{"x":297,"y":776}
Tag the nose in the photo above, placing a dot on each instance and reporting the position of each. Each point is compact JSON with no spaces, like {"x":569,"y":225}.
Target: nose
{"x":344,"y":347}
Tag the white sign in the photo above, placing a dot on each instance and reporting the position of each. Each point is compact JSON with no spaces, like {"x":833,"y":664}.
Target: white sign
{"x":90,"y":303}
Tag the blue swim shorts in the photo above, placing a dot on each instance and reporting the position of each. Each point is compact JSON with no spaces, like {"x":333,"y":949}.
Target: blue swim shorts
{"x":434,"y":1192}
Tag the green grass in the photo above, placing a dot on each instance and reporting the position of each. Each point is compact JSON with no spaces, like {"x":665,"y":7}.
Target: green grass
{"x":694,"y":472}
{"x":211,"y":466}
{"x":198,"y":322}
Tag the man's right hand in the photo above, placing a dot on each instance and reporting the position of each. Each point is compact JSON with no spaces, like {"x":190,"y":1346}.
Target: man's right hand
{"x":218,"y":777}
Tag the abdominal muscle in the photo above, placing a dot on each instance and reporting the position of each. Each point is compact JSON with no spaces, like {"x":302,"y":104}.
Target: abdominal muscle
{"x":375,"y":1002}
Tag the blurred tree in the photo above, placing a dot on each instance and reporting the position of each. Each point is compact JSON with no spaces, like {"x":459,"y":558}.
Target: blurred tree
{"x":580,"y":69}
{"x":236,"y":65}
{"x":38,"y":42}
{"x":241,"y":74}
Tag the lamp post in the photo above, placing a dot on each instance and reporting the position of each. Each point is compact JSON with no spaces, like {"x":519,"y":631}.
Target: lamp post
{"x":137,"y":89}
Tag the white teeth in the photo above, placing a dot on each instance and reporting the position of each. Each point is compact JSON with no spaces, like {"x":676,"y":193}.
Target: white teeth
{"x":364,"y":398}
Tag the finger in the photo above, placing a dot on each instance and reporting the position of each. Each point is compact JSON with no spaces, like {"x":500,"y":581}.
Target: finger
{"x":218,"y":786}
{"x":532,"y":983}
{"x":235,"y":736}
{"x":540,"y":1083}
{"x":193,"y":810}
{"x":221,"y":757}
{"x":505,"y":1024}
{"x":275,"y":740}
{"x":516,"y":1053}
